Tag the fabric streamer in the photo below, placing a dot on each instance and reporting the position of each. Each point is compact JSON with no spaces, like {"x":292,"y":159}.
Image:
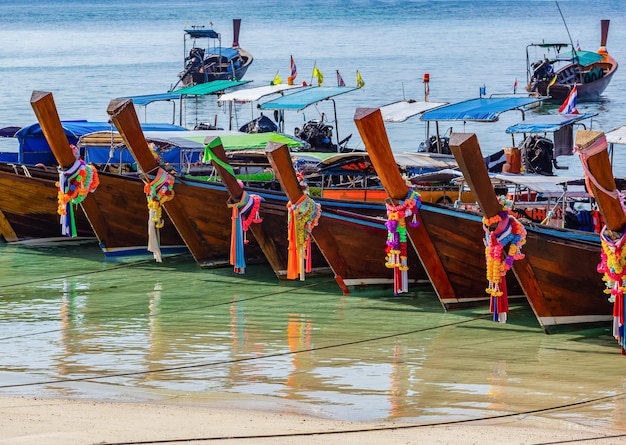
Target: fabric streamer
{"x":158,"y":191}
{"x":613,"y":255}
{"x":72,"y":188}
{"x":612,"y":266}
{"x":500,"y":231}
{"x":396,"y":250}
{"x":303,"y":216}
{"x":244,"y":213}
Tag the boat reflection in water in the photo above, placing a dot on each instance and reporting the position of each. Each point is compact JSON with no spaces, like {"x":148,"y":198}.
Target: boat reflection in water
{"x":136,"y":330}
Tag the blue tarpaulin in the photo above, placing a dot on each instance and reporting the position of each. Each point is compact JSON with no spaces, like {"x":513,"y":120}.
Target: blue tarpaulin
{"x":548,"y":123}
{"x":303,"y":98}
{"x":485,"y":109}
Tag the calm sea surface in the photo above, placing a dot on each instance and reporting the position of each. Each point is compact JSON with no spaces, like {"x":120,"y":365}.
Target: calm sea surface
{"x":136,"y":329}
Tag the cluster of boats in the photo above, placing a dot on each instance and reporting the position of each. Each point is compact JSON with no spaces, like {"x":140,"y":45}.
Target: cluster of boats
{"x":370,"y":218}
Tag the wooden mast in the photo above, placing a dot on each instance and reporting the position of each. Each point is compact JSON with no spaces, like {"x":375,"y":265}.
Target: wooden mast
{"x":280,"y":159}
{"x":235,"y":190}
{"x":599,"y":167}
{"x":123,"y":115}
{"x":45,"y":110}
{"x":369,"y":122}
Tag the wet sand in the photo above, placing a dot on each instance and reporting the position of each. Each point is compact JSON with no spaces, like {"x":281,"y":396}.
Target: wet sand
{"x":38,"y":421}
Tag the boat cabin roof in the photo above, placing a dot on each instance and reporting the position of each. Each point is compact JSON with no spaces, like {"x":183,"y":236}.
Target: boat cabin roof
{"x":202,"y":33}
{"x":483,"y":109}
{"x":617,"y":136}
{"x":402,"y":110}
{"x":547,"y":123}
{"x":303,"y":98}
{"x":584,"y":58}
{"x":202,"y":89}
{"x":247,"y":95}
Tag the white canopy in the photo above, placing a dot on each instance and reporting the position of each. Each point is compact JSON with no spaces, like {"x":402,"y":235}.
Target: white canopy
{"x":404,"y":109}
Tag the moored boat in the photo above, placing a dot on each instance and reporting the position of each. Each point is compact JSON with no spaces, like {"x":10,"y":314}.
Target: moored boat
{"x":117,"y":212}
{"x":557,"y":268}
{"x":556,"y":75}
{"x":346,"y":239}
{"x":445,"y":244}
{"x":209,"y":61}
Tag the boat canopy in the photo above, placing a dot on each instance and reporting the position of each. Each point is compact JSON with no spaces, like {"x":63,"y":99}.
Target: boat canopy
{"x":197,"y":90}
{"x":247,"y":95}
{"x":617,"y":136}
{"x":359,"y":163}
{"x":548,"y":186}
{"x":584,"y":58}
{"x":484,"y":109}
{"x":34,"y":148}
{"x":547,"y":123}
{"x":172,"y":145}
{"x":202,"y":33}
{"x":402,"y":110}
{"x":302,"y":99}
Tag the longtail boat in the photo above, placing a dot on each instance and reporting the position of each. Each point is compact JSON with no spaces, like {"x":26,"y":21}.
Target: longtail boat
{"x":450,"y":248}
{"x":591,"y":147}
{"x":28,"y":205}
{"x":346,"y":240}
{"x":556,"y":271}
{"x":117,"y":212}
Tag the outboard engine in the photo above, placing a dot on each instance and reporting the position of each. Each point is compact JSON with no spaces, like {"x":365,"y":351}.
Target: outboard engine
{"x":430,"y":145}
{"x":318,"y":134}
{"x":538,"y":155}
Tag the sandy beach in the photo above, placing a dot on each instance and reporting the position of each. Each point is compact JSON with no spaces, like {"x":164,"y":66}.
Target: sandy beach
{"x":68,"y":422}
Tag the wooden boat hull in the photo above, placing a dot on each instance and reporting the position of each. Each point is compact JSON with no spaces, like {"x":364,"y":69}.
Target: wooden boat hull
{"x":457,"y":237}
{"x":121,"y":219}
{"x":564,"y":263}
{"x":354,"y":241}
{"x":28,"y":203}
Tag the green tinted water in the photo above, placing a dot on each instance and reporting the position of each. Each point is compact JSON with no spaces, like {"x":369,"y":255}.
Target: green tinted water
{"x":75,"y":325}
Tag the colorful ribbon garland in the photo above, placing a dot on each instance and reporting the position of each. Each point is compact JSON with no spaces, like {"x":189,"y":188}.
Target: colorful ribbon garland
{"x":612,"y":266}
{"x":507,"y":231}
{"x":244,"y":213}
{"x":72,"y":188}
{"x":158,"y":191}
{"x":396,"y":250}
{"x":303,"y":216}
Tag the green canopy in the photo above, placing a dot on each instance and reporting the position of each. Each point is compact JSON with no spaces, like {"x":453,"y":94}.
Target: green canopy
{"x":209,"y":87}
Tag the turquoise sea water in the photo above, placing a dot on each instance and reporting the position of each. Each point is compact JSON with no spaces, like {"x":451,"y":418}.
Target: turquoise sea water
{"x":72,"y":324}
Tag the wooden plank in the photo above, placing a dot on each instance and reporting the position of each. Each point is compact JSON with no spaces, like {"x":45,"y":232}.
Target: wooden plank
{"x":369,"y":122}
{"x":45,"y":109}
{"x":263,"y":237}
{"x":599,"y":167}
{"x":123,"y":115}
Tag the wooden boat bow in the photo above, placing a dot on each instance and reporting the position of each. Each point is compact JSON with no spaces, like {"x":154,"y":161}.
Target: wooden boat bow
{"x":123,"y":115}
{"x":369,"y":122}
{"x":45,"y":110}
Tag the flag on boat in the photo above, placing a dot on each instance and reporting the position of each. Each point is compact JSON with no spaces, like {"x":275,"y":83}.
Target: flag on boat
{"x":569,"y":106}
{"x":359,"y":80}
{"x":553,"y":81}
{"x":515,"y":86}
{"x":320,"y":77}
{"x":294,"y":72}
{"x":277,"y":80}
{"x":577,"y":46}
{"x":340,"y":82}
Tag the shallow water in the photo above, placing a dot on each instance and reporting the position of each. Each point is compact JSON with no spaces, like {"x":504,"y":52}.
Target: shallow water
{"x":75,"y":325}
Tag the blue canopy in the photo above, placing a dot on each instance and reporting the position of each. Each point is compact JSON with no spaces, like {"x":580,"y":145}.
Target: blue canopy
{"x":34,"y":148}
{"x":303,"y":98}
{"x":547,"y":123}
{"x":202,"y":33}
{"x":484,"y":109}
